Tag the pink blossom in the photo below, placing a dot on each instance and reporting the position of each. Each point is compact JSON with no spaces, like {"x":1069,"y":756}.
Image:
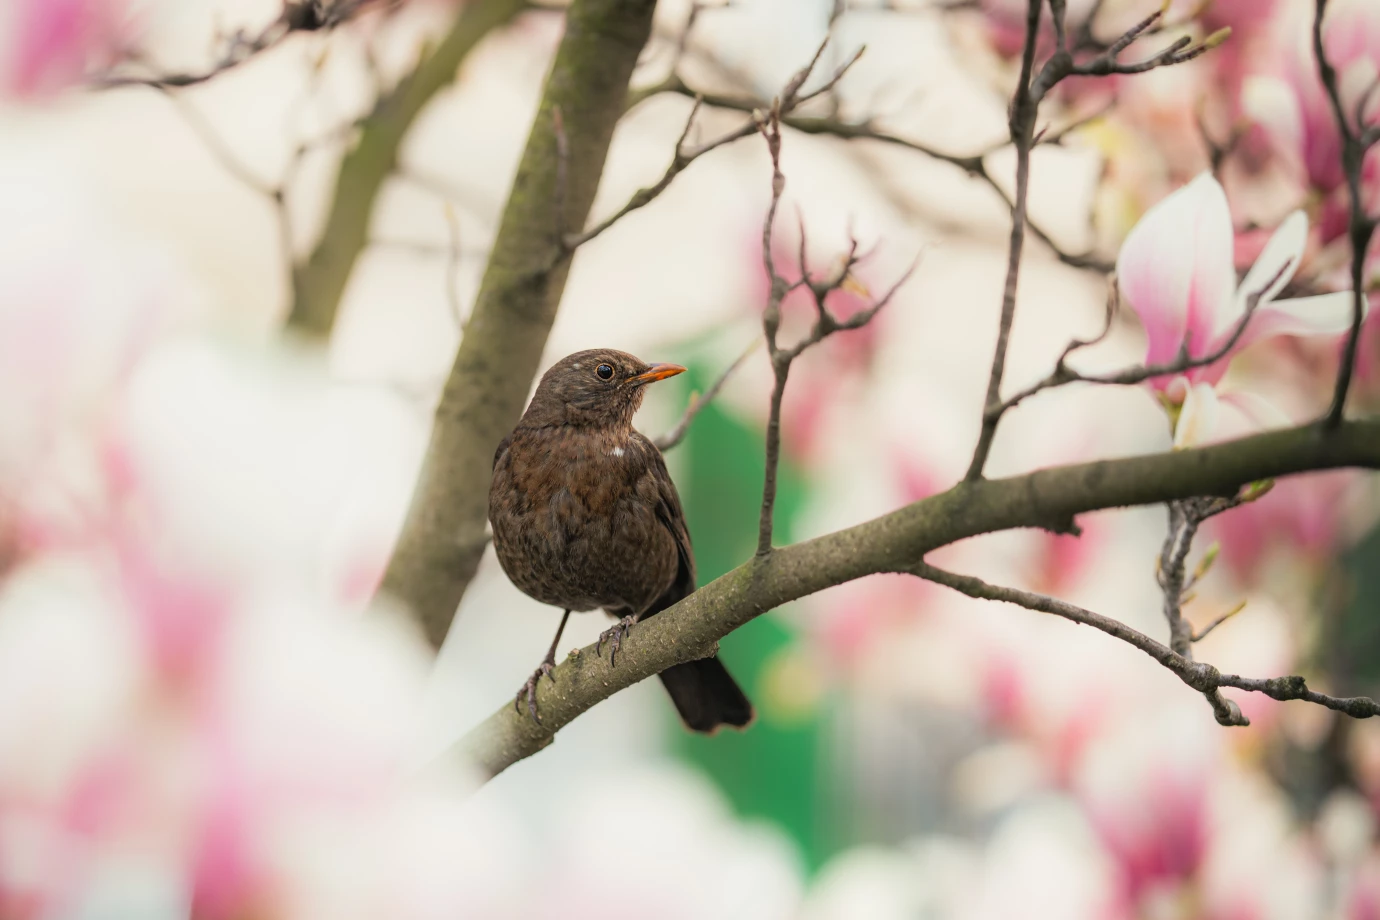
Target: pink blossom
{"x":1293,"y":107}
{"x":1176,"y":271}
{"x":47,"y":45}
{"x":1301,"y":516}
{"x":1148,"y":799}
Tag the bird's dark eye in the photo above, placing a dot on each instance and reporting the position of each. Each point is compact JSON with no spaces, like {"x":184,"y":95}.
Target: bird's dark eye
{"x":604,"y":371}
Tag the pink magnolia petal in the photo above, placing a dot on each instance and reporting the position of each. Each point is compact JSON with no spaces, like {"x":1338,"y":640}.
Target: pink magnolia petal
{"x":1198,"y":417}
{"x":1209,"y":416}
{"x":1175,"y":268}
{"x":1272,"y":270}
{"x":1325,"y":314}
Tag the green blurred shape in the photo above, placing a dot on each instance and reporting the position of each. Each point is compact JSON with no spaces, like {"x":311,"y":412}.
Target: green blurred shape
{"x":773,"y":770}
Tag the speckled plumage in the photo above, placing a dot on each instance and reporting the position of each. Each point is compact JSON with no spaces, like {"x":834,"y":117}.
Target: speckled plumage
{"x":585,"y":515}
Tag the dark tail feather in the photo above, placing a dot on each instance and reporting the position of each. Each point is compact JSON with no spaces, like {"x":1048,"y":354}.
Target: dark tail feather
{"x":706,"y":695}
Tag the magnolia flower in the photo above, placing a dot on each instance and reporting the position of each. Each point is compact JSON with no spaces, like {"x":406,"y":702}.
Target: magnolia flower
{"x":1176,"y":270}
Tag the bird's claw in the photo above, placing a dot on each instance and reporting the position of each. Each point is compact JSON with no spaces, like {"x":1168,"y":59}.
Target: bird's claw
{"x":529,"y":690}
{"x":614,"y":635}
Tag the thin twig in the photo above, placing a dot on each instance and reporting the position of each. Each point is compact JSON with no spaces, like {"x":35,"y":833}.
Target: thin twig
{"x":1030,"y":89}
{"x":1360,"y":226}
{"x":1024,"y":109}
{"x":1203,"y":678}
{"x":1063,"y":374}
{"x":1200,"y":634}
{"x":699,"y":401}
{"x":825,"y":323}
{"x":297,"y":16}
{"x":790,"y":100}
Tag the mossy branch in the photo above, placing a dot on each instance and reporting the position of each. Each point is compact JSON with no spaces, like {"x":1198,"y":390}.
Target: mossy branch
{"x":895,"y":542}
{"x":319,"y":283}
{"x":442,"y":538}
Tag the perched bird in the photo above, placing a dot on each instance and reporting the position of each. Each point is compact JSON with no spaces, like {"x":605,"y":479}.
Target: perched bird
{"x":585,"y":516}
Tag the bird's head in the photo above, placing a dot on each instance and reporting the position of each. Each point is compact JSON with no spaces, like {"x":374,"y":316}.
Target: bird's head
{"x":596,"y":388}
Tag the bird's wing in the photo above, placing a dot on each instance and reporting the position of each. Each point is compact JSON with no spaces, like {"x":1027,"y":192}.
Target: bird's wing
{"x":672,"y":517}
{"x":502,"y":446}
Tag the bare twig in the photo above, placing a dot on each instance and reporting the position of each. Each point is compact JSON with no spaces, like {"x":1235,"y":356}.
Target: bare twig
{"x":683,"y":156}
{"x":1185,"y":517}
{"x":1360,"y":225}
{"x":1203,"y":678}
{"x":1024,"y":109}
{"x":296,"y":16}
{"x":825,"y":324}
{"x":1200,"y":634}
{"x":972,"y":164}
{"x":698,"y":402}
{"x":1063,"y":374}
{"x":1031,"y":88}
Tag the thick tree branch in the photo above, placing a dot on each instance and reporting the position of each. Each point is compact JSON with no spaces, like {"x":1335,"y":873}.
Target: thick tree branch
{"x":1048,"y":498}
{"x":319,"y":283}
{"x":442,"y":538}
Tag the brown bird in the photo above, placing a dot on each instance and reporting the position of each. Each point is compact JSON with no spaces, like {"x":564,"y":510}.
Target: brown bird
{"x":585,"y":516}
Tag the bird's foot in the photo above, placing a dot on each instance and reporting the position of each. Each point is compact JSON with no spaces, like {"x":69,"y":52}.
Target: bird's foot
{"x":529,"y":689}
{"x":614,"y":635}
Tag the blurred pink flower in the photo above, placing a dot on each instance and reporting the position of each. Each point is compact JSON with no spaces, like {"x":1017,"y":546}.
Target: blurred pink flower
{"x":1301,"y":516}
{"x":1292,"y":106}
{"x":1147,"y":797}
{"x":47,"y":45}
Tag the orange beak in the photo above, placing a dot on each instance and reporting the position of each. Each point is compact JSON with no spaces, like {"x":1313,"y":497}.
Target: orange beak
{"x":656,"y":372}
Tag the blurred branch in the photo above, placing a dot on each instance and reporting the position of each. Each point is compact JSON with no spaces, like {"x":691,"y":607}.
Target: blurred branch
{"x":1204,"y":678}
{"x":1031,"y":88}
{"x":1048,"y":498}
{"x":972,"y":164}
{"x":296,"y":16}
{"x":1356,"y":141}
{"x":697,"y":402}
{"x":442,"y":540}
{"x":274,"y":192}
{"x":684,"y":156}
{"x":825,"y":323}
{"x":318,"y":284}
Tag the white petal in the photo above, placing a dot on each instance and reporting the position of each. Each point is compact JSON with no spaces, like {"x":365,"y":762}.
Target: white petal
{"x":1325,"y":314}
{"x":1175,"y":268}
{"x":1198,"y":416}
{"x":1278,"y":261}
